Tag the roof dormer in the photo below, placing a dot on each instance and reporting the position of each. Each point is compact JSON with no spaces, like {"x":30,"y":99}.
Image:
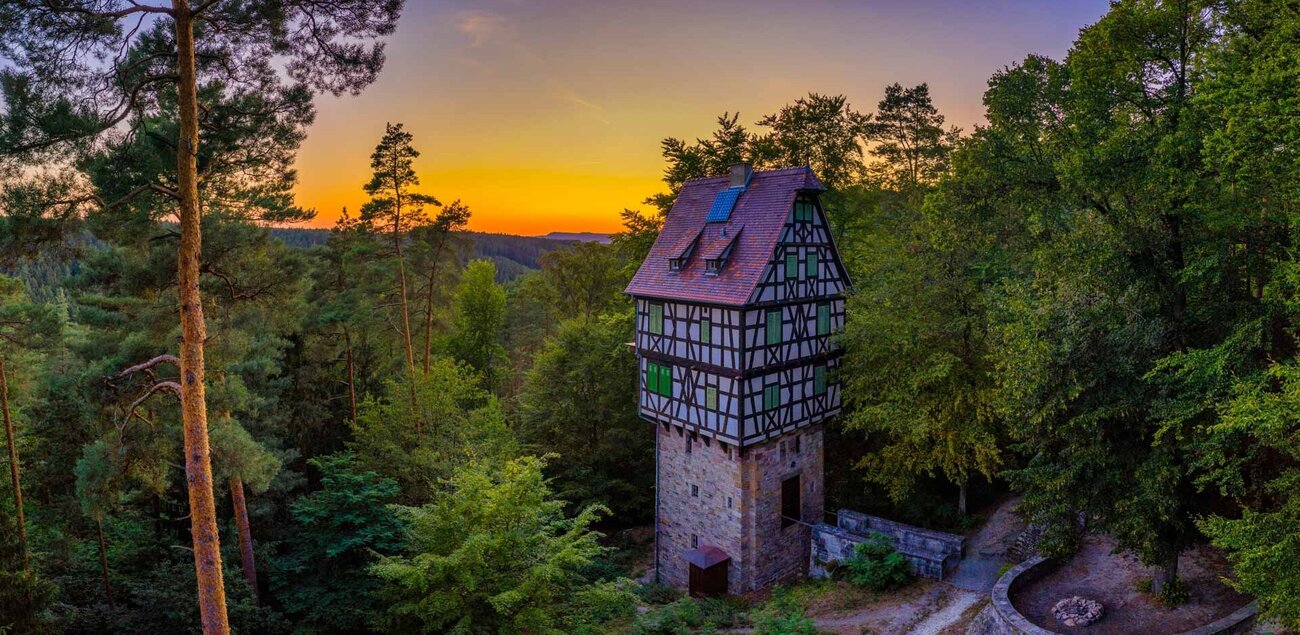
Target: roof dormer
{"x":715,"y":259}
{"x":681,"y":255}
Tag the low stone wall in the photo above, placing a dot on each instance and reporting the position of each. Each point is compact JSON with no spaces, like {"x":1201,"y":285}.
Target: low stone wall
{"x":1242,"y":621}
{"x":931,"y":553}
{"x":1000,"y":617}
{"x":830,"y":546}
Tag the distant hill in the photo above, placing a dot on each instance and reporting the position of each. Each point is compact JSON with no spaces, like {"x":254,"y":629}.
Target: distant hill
{"x":583,"y":237}
{"x":514,"y":255}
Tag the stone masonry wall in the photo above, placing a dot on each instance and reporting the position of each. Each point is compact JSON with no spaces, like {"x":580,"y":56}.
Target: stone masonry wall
{"x":749,"y":528}
{"x":706,"y":513}
{"x":779,"y":553}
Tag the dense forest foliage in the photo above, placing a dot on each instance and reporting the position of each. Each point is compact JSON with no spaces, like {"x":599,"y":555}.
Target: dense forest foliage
{"x":1090,"y":300}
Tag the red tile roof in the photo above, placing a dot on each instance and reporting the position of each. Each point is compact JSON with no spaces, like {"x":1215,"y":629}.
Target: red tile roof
{"x":761,"y":211}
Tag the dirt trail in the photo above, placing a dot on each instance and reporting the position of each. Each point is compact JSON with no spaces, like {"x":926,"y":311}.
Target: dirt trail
{"x":929,"y":607}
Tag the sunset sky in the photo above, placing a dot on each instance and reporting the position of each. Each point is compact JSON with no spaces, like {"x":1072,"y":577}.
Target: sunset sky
{"x":547,"y":116}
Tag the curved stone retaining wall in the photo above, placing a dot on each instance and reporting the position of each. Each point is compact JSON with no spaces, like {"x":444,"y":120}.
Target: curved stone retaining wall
{"x":1000,"y":617}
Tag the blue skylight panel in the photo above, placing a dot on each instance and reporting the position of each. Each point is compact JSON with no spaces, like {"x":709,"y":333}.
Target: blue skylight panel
{"x":723,"y":204}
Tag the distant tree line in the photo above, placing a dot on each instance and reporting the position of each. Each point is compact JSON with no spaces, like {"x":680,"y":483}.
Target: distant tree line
{"x":1088,"y":300}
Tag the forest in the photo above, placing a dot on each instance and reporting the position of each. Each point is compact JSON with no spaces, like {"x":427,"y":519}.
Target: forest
{"x":216,"y":425}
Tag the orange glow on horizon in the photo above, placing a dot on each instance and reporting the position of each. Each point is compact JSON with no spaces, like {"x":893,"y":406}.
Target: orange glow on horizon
{"x":547,"y":117}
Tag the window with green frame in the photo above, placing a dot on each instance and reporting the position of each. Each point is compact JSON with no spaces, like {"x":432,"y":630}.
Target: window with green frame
{"x":652,"y":377}
{"x":771,"y":397}
{"x":711,"y":398}
{"x":659,"y":379}
{"x":819,"y":380}
{"x":810,"y":265}
{"x":657,"y":319}
{"x":706,"y":332}
{"x":823,"y":319}
{"x":803,"y":211}
{"x":773,"y":327}
{"x":792,"y":265}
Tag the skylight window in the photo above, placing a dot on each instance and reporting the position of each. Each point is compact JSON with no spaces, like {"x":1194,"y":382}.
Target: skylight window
{"x":723,"y":204}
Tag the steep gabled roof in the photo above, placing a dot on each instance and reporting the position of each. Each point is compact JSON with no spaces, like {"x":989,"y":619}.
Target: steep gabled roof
{"x":761,"y":211}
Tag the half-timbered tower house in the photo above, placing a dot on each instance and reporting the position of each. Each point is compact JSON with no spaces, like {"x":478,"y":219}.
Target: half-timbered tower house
{"x":735,"y":308}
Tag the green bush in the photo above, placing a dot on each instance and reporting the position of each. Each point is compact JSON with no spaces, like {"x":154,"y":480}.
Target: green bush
{"x":657,"y":594}
{"x":679,"y":618}
{"x":689,"y":616}
{"x":784,"y":624}
{"x":876,"y":565}
{"x":1173,"y":594}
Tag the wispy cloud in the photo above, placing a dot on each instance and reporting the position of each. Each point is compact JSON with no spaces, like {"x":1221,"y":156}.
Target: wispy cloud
{"x":482,"y":27}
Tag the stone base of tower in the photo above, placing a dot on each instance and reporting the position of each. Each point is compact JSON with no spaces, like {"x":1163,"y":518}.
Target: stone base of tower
{"x":712,"y":494}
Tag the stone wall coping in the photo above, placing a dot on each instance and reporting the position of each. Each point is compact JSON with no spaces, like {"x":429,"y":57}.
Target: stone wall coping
{"x":1238,"y":619}
{"x":953,"y":540}
{"x":1001,"y":597}
{"x":1001,"y":602}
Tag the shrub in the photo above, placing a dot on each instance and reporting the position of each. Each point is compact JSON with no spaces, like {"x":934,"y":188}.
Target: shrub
{"x":784,"y":624}
{"x":688,"y":616}
{"x":1173,"y":594}
{"x":679,"y":618}
{"x":876,"y":565}
{"x":657,"y":594}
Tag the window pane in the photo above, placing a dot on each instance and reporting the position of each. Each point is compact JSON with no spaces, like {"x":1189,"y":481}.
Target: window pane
{"x":811,"y":266}
{"x":823,"y":319}
{"x":657,"y":319}
{"x":652,"y":377}
{"x":791,"y":266}
{"x":706,"y":332}
{"x":711,"y":398}
{"x":773,"y":327}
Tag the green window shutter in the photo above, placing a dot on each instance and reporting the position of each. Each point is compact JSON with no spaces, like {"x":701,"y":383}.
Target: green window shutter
{"x":706,"y":332}
{"x":823,"y":319}
{"x":774,"y":327}
{"x":711,"y":398}
{"x":810,"y":266}
{"x":771,"y":397}
{"x":792,"y":265}
{"x":666,"y":381}
{"x":819,"y":380}
{"x":652,"y":377}
{"x":657,"y":319}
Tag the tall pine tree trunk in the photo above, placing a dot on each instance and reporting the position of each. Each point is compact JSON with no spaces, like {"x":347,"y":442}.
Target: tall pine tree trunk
{"x":12,"y":442}
{"x":245,"y":536}
{"x":194,"y":416}
{"x":103,"y":561}
{"x":401,"y":272}
{"x":352,"y":378}
{"x":961,"y":497}
{"x":428,"y":302}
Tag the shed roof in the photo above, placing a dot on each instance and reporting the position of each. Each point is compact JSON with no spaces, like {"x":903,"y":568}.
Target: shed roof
{"x":706,"y":556}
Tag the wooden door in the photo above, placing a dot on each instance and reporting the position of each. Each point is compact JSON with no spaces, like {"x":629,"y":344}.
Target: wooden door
{"x":710,"y":582}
